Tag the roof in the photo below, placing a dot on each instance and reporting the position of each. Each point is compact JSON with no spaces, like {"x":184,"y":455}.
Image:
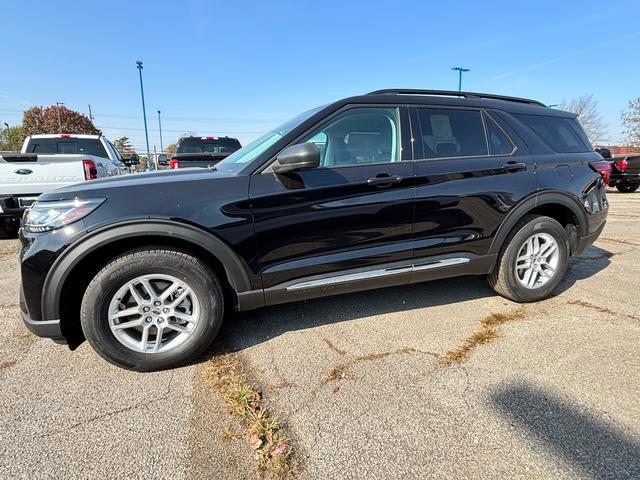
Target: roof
{"x":455,"y":98}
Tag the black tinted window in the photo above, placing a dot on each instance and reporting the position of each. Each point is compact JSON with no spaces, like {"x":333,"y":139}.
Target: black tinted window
{"x":452,"y":133}
{"x":499,"y":143}
{"x":208,"y":145}
{"x":559,"y":133}
{"x":88,"y":146}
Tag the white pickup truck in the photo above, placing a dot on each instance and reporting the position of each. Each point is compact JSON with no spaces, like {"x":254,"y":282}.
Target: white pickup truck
{"x":47,"y":162}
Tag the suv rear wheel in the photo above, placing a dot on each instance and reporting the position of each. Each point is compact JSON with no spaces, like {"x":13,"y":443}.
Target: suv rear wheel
{"x":152,"y":309}
{"x":627,"y":187}
{"x":533,"y":260}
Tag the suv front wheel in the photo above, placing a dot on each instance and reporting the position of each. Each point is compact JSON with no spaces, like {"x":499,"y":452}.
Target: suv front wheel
{"x":533,"y":260}
{"x":152,"y":309}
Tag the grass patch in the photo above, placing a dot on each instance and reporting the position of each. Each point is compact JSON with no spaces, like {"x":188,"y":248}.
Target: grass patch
{"x":485,"y":333}
{"x":601,"y":309}
{"x":262,"y":429}
{"x":341,"y":371}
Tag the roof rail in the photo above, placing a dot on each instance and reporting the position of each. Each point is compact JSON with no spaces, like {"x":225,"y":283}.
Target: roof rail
{"x":453,"y":93}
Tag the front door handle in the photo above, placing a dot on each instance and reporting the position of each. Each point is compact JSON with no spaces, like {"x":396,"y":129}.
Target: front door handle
{"x":514,"y":166}
{"x":384,"y":180}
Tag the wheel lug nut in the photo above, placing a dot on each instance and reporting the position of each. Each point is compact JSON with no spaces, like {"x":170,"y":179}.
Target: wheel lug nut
{"x":160,"y":320}
{"x":146,"y":309}
{"x":147,"y":320}
{"x":157,"y":303}
{"x":165,"y":310}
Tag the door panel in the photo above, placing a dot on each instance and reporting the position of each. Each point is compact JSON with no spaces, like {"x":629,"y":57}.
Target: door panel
{"x":461,"y":201}
{"x":355,"y":211}
{"x":331,"y":219}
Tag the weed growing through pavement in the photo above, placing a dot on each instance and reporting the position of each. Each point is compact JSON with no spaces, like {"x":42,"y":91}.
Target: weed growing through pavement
{"x":262,"y":429}
{"x":485,"y":333}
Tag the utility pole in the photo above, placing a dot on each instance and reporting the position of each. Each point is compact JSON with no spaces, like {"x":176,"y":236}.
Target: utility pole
{"x":155,"y":158}
{"x":58,"y":111}
{"x":90,"y":115}
{"x":460,"y":71}
{"x":144,"y":115}
{"x":160,"y":127}
{"x":8,"y":134}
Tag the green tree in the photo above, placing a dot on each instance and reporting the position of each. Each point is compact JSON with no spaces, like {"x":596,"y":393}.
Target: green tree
{"x":56,"y":119}
{"x":631,"y":122}
{"x":124,"y":146}
{"x":11,"y":139}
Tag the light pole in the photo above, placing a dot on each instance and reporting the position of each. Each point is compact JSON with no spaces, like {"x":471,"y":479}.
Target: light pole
{"x":144,"y":115}
{"x":160,"y":127}
{"x":460,"y":70}
{"x":58,"y":111}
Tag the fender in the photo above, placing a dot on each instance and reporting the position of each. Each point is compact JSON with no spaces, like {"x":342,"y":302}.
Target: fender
{"x":537,"y":200}
{"x":54,"y":282}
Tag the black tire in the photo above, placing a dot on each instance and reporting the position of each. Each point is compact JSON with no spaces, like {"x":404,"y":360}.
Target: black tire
{"x":504,"y":279}
{"x":130,"y":265}
{"x":9,"y":230}
{"x":627,"y":187}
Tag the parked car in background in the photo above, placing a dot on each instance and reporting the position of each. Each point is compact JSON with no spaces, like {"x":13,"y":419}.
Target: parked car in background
{"x":202,"y":151}
{"x":388,"y":188}
{"x":625,"y":171}
{"x":48,"y":162}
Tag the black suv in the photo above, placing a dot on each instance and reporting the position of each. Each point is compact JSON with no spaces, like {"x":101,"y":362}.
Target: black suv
{"x":202,"y":151}
{"x":388,"y":188}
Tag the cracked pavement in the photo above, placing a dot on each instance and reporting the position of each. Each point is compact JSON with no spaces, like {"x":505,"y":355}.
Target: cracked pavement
{"x":554,"y":397}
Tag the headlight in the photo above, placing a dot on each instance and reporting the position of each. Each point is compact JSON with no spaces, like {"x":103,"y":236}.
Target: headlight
{"x":46,"y":216}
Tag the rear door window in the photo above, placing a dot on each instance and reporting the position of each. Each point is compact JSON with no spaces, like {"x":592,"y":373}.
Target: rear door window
{"x":452,"y":133}
{"x":561,"y":134}
{"x":499,"y":143}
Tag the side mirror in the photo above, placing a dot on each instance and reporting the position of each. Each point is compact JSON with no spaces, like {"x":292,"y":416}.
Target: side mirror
{"x":134,"y":159}
{"x":162,"y":159}
{"x":297,"y":157}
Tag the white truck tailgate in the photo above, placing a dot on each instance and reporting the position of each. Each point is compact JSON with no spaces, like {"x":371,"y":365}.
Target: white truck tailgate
{"x":40,"y":176}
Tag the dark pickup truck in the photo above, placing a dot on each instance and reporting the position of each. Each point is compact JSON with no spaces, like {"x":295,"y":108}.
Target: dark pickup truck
{"x":625,"y":171}
{"x":202,"y":151}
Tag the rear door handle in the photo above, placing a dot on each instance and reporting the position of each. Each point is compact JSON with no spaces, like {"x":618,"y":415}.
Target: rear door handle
{"x":514,"y":166}
{"x":384,"y":180}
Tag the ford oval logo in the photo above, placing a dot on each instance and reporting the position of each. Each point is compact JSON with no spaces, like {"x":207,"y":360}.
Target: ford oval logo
{"x":23,"y":171}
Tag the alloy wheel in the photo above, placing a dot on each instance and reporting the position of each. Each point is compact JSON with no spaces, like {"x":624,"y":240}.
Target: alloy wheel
{"x":153,"y":313}
{"x":537,"y":260}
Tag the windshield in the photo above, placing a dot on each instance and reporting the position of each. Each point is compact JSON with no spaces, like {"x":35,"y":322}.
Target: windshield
{"x":237,"y":160}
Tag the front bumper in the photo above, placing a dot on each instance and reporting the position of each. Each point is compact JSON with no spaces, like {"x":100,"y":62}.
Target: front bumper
{"x":43,"y":328}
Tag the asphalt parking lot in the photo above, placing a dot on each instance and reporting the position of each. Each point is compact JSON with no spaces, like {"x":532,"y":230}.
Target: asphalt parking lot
{"x":555,"y":396}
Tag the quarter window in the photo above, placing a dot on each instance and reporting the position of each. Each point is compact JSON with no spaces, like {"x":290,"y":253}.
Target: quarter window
{"x":558,"y":132}
{"x":358,"y":136}
{"x":452,"y":133}
{"x":499,"y":143}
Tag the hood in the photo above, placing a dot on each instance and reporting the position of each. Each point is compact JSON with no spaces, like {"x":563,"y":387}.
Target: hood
{"x":160,"y":180}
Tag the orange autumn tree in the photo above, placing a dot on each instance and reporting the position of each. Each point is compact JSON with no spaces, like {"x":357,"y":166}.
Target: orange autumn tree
{"x":56,"y":119}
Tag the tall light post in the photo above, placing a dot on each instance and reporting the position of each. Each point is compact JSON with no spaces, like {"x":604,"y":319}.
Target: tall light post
{"x":160,"y":127}
{"x":58,"y":104}
{"x":144,"y":115}
{"x":460,"y":71}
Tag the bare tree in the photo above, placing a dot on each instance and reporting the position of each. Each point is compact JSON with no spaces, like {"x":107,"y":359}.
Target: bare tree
{"x":631,"y":122}
{"x":586,"y":107}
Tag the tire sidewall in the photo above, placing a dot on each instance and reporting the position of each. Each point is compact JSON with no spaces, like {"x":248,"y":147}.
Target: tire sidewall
{"x":538,"y":225}
{"x":95,"y":306}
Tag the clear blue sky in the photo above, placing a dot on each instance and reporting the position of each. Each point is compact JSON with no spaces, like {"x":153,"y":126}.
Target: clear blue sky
{"x":241,"y":67}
